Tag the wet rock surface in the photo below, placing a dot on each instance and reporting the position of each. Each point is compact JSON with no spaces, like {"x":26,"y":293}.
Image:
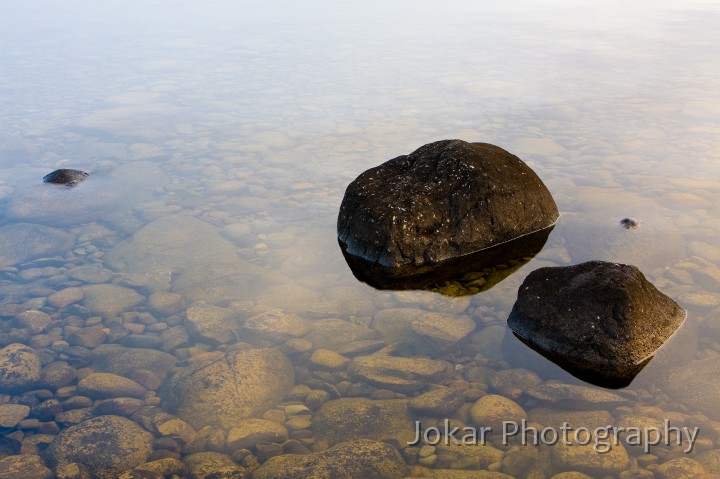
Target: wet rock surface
{"x":601,"y":321}
{"x":445,"y":200}
{"x":66,"y":176}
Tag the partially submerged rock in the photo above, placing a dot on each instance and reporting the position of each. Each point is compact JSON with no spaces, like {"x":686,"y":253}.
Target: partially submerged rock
{"x":67,"y":177}
{"x":599,"y":321}
{"x":447,"y":201}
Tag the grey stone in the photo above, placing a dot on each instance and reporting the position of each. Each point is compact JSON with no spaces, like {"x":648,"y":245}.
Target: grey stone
{"x":168,"y":246}
{"x":22,"y":242}
{"x":109,"y":385}
{"x":110,"y":299}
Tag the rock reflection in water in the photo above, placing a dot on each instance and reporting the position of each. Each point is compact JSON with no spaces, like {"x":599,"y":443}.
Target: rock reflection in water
{"x":468,"y":274}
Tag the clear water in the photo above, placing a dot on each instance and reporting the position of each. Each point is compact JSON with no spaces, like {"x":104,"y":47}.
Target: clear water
{"x":254,"y":118}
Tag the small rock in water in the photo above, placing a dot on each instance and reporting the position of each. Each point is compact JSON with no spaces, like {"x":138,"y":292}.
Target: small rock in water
{"x":629,"y":223}
{"x":65,"y":177}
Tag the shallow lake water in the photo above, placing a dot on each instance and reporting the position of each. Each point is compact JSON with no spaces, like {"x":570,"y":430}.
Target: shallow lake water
{"x":220,"y":138}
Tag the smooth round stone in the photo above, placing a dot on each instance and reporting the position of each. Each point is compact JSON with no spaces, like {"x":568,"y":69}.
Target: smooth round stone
{"x":443,"y":331}
{"x":108,"y":385}
{"x":35,"y":321}
{"x":225,"y":391}
{"x":106,"y":445}
{"x":297,"y":423}
{"x":275,"y":326}
{"x":110,"y":299}
{"x":166,"y":302}
{"x":19,"y":368}
{"x":213,"y":324}
{"x":12,"y":414}
{"x":124,"y":361}
{"x":492,"y":410}
{"x":511,"y":381}
{"x":437,"y":402}
{"x":91,"y":273}
{"x":252,"y":431}
{"x":328,"y":360}
{"x":122,"y":406}
{"x":66,"y":297}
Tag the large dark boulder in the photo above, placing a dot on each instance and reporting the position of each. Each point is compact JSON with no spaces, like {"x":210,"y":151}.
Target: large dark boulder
{"x":445,"y":201}
{"x":599,"y":321}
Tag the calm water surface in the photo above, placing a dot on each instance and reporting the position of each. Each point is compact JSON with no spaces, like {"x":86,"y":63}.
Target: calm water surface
{"x":220,"y":138}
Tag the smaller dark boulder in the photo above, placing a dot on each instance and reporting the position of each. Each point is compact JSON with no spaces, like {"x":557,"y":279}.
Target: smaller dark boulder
{"x":66,"y":177}
{"x":600,"y":321}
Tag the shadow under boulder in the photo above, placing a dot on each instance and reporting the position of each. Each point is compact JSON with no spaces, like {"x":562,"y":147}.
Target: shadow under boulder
{"x":449,"y":205}
{"x":600,"y":321}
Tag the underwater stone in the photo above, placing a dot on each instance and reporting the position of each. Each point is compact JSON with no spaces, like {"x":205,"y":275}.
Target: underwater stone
{"x":445,"y":200}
